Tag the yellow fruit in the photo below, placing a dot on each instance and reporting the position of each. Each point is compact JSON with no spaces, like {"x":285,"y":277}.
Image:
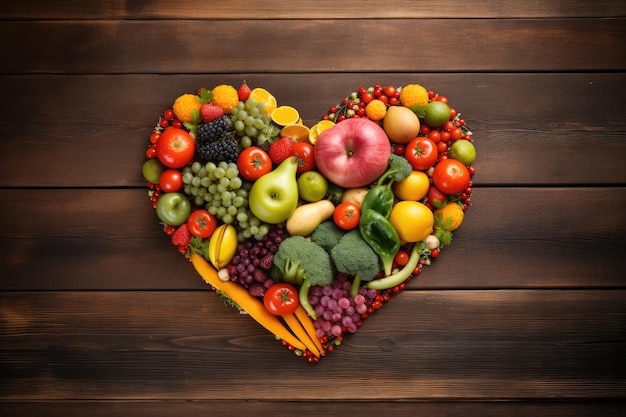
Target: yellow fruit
{"x":184,"y":107}
{"x":401,"y":124}
{"x":222,"y":246}
{"x":414,"y":187}
{"x":226,"y":97}
{"x":318,"y":128}
{"x":297,"y":132}
{"x":261,"y":95}
{"x":412,"y":220}
{"x":413,"y":94}
{"x":454,"y":212}
{"x":285,"y":115}
{"x":376,"y":110}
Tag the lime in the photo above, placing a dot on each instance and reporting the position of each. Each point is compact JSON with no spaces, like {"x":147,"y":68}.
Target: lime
{"x":437,"y":114}
{"x":463,"y":151}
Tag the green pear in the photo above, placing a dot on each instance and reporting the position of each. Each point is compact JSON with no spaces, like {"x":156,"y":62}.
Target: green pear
{"x":274,"y":196}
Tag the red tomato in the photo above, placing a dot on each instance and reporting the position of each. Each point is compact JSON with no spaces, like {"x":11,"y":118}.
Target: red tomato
{"x":389,"y":91}
{"x":201,"y":223}
{"x":304,"y":154}
{"x":253,"y":162}
{"x":451,"y":176}
{"x":347,"y":216}
{"x":171,"y":180}
{"x":175,"y":148}
{"x":281,"y":299}
{"x":421,"y":153}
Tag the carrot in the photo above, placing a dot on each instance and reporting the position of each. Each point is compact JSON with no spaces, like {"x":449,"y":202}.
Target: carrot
{"x":308,"y":325}
{"x":299,"y":331}
{"x":246,"y":301}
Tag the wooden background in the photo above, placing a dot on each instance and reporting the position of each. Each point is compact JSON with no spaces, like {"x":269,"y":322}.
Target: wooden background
{"x":525,"y":314}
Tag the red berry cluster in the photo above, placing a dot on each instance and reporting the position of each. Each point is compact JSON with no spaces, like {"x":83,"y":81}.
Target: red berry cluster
{"x":168,"y":119}
{"x":354,"y":105}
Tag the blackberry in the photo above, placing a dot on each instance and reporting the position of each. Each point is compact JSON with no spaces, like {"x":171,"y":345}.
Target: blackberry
{"x":212,"y":131}
{"x":224,"y":149}
{"x":214,"y":143}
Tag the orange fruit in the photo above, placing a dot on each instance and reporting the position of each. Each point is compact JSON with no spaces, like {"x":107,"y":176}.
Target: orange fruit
{"x":296,"y":131}
{"x":413,"y":94}
{"x":285,"y":115}
{"x":376,"y":110}
{"x":412,"y":220}
{"x":184,"y":107}
{"x":226,"y":97}
{"x":414,"y":187}
{"x":261,"y":95}
{"x":452,"y":216}
{"x":318,"y":128}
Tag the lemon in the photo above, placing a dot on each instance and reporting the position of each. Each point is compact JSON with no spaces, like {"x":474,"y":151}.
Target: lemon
{"x":454,"y":212}
{"x":412,"y":220}
{"x":318,"y":128}
{"x":296,"y":131}
{"x":285,"y":115}
{"x":414,"y":187}
{"x":261,"y":95}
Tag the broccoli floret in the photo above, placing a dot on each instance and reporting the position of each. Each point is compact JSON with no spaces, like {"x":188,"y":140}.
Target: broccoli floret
{"x":327,"y":235}
{"x":302,"y":262}
{"x":399,"y":169}
{"x":334,"y":193}
{"x":353,"y":256}
{"x":268,"y":135}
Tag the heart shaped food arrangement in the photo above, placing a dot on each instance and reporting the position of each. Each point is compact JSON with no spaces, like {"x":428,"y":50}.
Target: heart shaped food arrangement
{"x":310,"y":230}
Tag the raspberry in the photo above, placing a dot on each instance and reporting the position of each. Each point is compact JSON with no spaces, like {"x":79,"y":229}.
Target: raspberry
{"x":266,"y":262}
{"x":181,"y":236}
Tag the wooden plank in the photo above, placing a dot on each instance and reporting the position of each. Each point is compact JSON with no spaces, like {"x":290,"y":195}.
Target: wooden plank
{"x":443,"y":345}
{"x":101,"y":47}
{"x":511,"y":238}
{"x":321,"y":9}
{"x":234,"y":408}
{"x":528,"y":128}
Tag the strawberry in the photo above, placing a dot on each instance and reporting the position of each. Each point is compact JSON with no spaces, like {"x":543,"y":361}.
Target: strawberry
{"x":436,"y":197}
{"x":210,"y":112}
{"x":281,"y":150}
{"x":243,"y":92}
{"x":181,"y":236}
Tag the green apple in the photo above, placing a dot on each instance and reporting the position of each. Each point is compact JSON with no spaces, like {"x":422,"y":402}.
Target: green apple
{"x":312,"y":186}
{"x":173,"y":208}
{"x":463,"y":151}
{"x":274,"y":196}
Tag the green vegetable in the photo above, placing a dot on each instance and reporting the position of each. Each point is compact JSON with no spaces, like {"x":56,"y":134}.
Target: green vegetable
{"x":382,"y":237}
{"x":400,"y":276}
{"x":380,"y":197}
{"x":354,"y":256}
{"x":268,"y":135}
{"x":302,"y":262}
{"x":327,"y":235}
{"x":334,"y":194}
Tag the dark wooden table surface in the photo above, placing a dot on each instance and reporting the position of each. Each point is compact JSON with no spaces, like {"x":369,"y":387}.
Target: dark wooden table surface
{"x":525,"y":314}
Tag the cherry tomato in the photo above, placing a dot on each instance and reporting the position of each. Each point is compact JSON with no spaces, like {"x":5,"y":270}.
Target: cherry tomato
{"x":201,"y":223}
{"x":421,"y":153}
{"x":253,"y":162}
{"x":347,"y":216}
{"x":154,"y":137}
{"x":367,"y":97}
{"x":435,"y":136}
{"x":451,"y":176}
{"x":281,"y":299}
{"x":401,"y":258}
{"x":389,"y":91}
{"x":171,"y":180}
{"x":456,"y":133}
{"x":175,"y":148}
{"x":304,"y":154}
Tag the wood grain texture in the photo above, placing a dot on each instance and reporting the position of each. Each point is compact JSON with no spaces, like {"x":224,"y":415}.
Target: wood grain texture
{"x":107,"y":47}
{"x":477,"y":344}
{"x":321,"y":9}
{"x":544,"y":129}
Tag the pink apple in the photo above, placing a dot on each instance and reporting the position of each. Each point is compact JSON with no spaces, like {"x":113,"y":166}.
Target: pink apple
{"x":353,"y":153}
